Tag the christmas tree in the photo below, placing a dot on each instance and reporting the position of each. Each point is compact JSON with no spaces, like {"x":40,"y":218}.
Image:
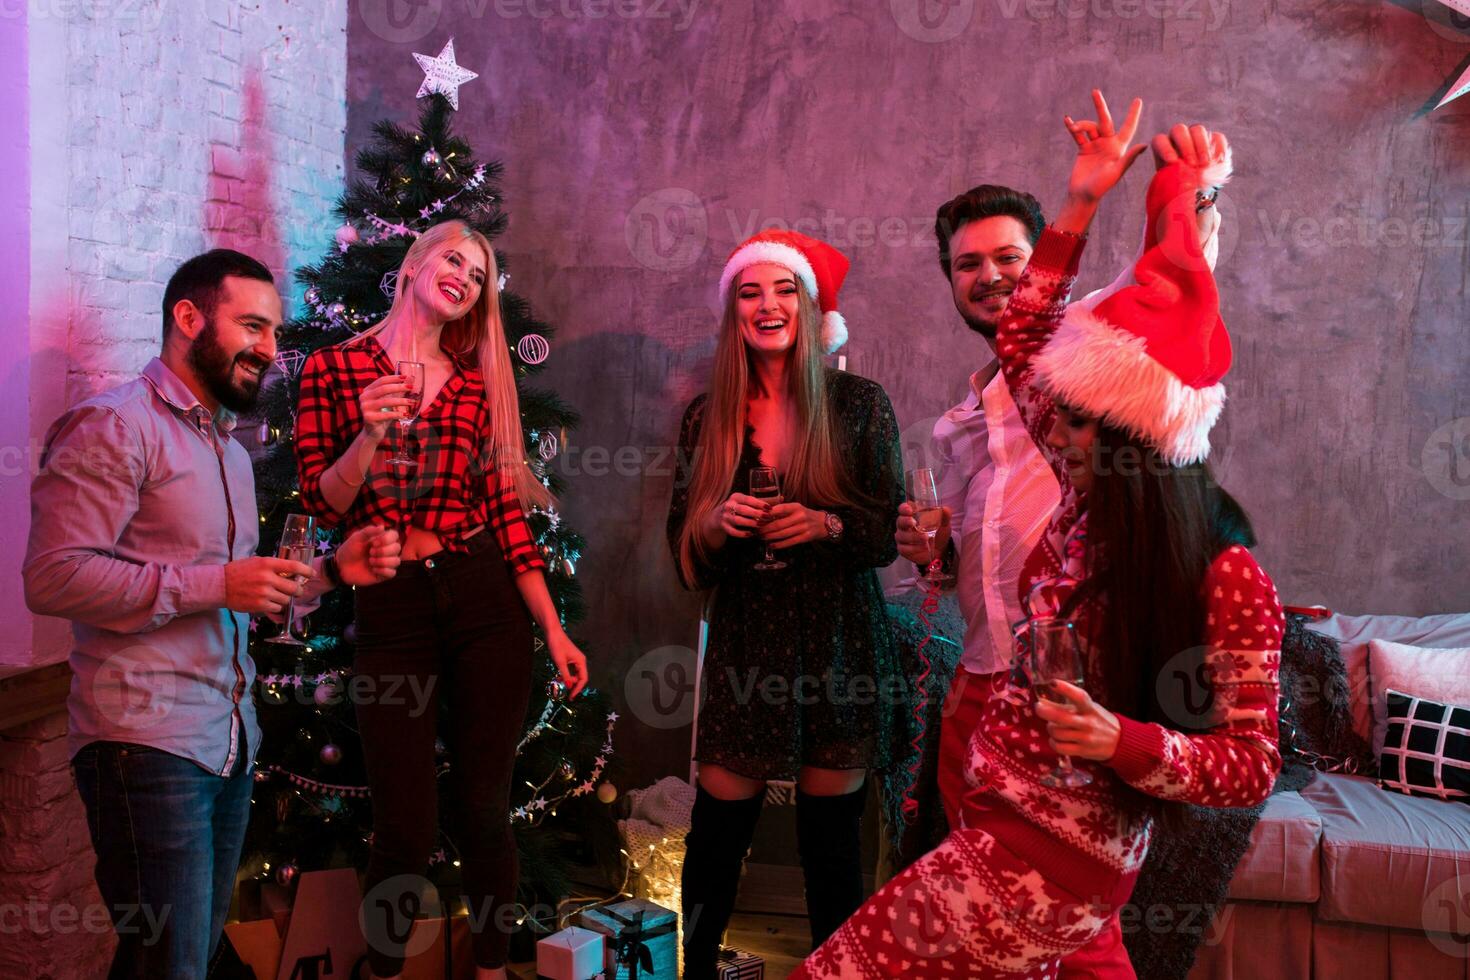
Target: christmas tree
{"x":311,"y":807}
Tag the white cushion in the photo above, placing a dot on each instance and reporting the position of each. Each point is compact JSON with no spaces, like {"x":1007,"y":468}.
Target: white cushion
{"x":1353,"y":633}
{"x":1424,"y":672}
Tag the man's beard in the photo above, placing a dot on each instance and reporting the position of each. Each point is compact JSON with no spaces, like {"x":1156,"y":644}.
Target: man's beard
{"x":984,"y":329}
{"x":216,"y":369}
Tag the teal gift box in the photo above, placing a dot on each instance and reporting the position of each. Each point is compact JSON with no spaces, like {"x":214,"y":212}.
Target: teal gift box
{"x":642,"y":939}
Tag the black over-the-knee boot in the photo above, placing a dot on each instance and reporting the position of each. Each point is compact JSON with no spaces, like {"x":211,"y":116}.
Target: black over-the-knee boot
{"x":830,"y":846}
{"x":720,"y":832}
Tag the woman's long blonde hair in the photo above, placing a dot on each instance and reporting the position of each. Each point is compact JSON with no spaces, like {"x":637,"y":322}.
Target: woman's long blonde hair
{"x":480,"y":330}
{"x":815,"y":474}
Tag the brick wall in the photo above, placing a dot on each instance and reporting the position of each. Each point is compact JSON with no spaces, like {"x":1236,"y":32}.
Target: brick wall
{"x":154,"y":130}
{"x":47,"y":894}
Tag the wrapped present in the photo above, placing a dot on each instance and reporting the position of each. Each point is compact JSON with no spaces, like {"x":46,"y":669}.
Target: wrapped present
{"x":642,"y":939}
{"x":571,"y":954}
{"x":737,"y":964}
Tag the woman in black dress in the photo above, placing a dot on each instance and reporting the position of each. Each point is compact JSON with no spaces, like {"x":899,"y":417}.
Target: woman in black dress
{"x":800,"y":673}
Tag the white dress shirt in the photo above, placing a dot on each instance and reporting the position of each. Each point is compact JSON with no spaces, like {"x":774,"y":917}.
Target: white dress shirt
{"x":1001,"y":493}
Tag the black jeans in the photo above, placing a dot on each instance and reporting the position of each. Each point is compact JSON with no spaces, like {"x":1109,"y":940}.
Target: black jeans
{"x":452,"y":626}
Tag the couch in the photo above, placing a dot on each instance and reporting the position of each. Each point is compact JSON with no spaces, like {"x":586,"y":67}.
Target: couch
{"x":1340,"y":877}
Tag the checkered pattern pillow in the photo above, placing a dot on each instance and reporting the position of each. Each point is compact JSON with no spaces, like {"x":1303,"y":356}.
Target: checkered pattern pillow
{"x":1426,"y":751}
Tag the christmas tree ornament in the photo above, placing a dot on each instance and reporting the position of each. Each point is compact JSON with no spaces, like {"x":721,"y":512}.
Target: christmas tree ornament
{"x":324,"y":693}
{"x":567,"y":770}
{"x":336,"y":310}
{"x":556,"y":690}
{"x":266,"y":434}
{"x":533,"y":348}
{"x":331,"y":754}
{"x":501,"y":280}
{"x":547,"y":446}
{"x":313,"y":296}
{"x":606,"y":793}
{"x":568,"y":568}
{"x":346,"y":236}
{"x":388,"y":285}
{"x":431,"y":158}
{"x":286,"y":875}
{"x":443,"y":75}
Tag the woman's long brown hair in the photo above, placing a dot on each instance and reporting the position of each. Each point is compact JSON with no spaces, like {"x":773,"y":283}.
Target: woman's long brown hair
{"x":815,"y":474}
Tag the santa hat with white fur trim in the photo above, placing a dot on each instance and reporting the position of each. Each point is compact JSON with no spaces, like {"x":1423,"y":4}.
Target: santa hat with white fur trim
{"x":1147,"y":354}
{"x":819,"y":266}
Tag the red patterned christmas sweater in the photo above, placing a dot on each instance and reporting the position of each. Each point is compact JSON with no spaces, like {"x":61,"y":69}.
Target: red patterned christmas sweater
{"x":1035,"y":872}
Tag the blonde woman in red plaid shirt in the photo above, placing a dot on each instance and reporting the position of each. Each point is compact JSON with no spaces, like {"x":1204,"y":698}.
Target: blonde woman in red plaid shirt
{"x":456,"y":617}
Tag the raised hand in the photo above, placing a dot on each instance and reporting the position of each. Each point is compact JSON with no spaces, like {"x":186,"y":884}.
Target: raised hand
{"x":1199,"y":149}
{"x":1104,"y":153}
{"x":1195,"y":146}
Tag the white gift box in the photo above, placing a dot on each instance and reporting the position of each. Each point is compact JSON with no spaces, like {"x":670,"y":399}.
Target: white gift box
{"x":571,"y":954}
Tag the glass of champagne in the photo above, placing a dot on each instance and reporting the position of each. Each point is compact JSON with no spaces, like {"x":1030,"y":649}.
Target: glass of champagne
{"x":413,"y":373}
{"x":765,"y":484}
{"x":928,"y":515}
{"x":298,"y":543}
{"x":1057,"y":655}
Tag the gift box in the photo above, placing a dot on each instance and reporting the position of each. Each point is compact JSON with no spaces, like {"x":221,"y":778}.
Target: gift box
{"x":571,"y":954}
{"x":642,"y":939}
{"x":737,"y":964}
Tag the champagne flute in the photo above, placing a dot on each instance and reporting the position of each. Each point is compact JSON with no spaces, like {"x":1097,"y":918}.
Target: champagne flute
{"x":413,"y":373}
{"x":298,"y":543}
{"x":928,"y":515}
{"x":1057,"y":655}
{"x":765,"y":484}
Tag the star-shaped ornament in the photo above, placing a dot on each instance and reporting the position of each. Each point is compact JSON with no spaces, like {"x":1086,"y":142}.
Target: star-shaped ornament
{"x":443,"y":75}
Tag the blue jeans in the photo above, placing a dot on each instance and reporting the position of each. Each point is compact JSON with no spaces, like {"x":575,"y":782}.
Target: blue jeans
{"x":168,"y":836}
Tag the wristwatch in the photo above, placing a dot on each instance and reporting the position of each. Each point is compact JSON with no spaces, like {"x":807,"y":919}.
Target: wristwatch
{"x":330,"y":571}
{"x":834,"y":527}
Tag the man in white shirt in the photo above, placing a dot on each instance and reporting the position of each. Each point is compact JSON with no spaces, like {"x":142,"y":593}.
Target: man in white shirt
{"x":996,"y":490}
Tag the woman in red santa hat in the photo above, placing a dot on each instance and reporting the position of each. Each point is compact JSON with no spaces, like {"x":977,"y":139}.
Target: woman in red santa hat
{"x":800,"y":666}
{"x":1146,"y":558}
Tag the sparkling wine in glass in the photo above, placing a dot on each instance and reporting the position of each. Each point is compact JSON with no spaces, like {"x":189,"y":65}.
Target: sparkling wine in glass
{"x":298,"y":543}
{"x":928,"y":516}
{"x":765,"y":484}
{"x":413,"y":373}
{"x":1056,"y":655}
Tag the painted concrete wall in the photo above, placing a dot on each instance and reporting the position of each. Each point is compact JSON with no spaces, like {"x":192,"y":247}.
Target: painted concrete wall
{"x":642,"y":144}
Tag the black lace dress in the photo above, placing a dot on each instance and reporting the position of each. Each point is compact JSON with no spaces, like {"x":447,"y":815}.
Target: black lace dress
{"x":801,"y":667}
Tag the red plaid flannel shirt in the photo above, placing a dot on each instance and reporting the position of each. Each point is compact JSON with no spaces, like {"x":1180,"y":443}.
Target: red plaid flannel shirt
{"x":453,"y":490}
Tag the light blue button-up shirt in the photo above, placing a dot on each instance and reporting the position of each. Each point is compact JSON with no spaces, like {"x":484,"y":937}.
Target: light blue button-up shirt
{"x":141,"y":500}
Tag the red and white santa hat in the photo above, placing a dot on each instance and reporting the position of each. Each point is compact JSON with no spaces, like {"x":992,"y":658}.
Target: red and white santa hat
{"x":819,"y":266}
{"x":1147,"y":354}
